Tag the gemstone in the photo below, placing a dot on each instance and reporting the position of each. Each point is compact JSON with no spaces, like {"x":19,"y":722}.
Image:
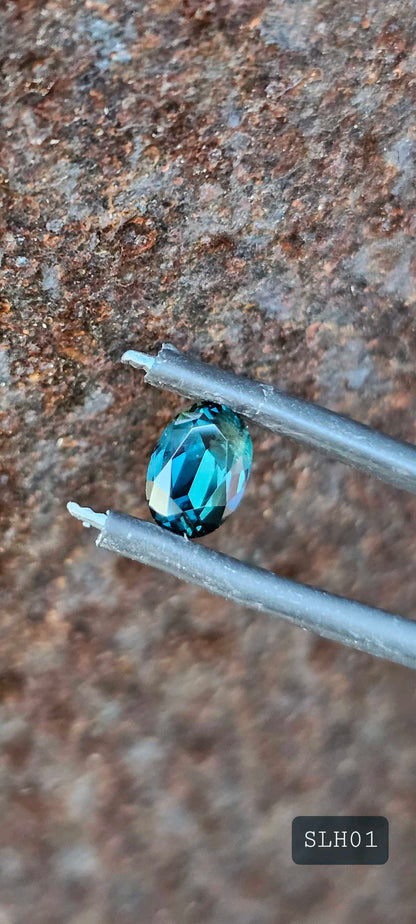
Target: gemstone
{"x":199,"y":469}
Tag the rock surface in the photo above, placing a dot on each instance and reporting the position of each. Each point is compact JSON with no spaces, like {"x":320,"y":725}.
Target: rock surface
{"x":237,"y":178}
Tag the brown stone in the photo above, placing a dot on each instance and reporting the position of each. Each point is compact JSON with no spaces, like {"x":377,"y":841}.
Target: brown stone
{"x":238,"y":179}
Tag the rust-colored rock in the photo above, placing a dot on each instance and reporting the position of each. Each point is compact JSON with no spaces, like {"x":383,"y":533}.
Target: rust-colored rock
{"x":237,"y":178}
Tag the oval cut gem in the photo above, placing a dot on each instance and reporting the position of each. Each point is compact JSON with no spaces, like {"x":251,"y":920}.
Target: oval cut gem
{"x":199,"y":469}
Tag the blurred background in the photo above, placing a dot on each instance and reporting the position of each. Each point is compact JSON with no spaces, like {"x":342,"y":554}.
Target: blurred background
{"x":237,"y":178}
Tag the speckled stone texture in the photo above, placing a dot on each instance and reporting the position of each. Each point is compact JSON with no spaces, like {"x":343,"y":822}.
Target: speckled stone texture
{"x":237,"y":178}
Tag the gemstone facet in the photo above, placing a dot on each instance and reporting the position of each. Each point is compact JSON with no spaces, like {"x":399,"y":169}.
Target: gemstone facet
{"x":199,"y":469}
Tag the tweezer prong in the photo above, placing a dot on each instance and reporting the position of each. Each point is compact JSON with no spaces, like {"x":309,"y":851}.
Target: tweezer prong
{"x":363,"y":627}
{"x":138,"y":360}
{"x":87,"y":516}
{"x":340,"y":437}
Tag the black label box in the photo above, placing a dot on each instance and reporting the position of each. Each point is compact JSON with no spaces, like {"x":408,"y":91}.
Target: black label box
{"x":340,"y":840}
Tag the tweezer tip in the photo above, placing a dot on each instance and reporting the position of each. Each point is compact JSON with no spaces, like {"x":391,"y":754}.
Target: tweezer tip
{"x":138,"y":360}
{"x":87,"y":516}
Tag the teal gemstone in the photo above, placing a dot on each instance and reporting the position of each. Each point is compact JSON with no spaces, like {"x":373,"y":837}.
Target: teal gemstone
{"x":199,"y":470}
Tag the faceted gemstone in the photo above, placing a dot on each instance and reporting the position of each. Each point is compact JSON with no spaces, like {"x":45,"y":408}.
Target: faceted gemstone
{"x":199,"y":470}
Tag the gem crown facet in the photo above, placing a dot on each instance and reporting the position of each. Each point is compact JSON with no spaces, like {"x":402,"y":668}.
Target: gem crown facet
{"x":199,"y":469}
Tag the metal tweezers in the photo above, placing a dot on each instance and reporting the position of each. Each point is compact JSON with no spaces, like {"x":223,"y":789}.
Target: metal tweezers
{"x":362,"y":627}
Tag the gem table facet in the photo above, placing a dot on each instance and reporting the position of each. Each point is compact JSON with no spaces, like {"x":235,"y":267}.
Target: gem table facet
{"x":199,"y":469}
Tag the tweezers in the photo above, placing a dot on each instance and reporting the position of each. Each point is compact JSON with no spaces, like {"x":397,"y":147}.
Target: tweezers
{"x":365,"y":628}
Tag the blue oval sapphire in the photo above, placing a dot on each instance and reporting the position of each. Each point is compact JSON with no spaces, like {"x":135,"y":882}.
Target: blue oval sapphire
{"x":199,"y":469}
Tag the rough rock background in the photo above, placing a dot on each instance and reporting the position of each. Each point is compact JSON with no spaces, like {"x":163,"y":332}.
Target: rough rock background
{"x":237,"y":178}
